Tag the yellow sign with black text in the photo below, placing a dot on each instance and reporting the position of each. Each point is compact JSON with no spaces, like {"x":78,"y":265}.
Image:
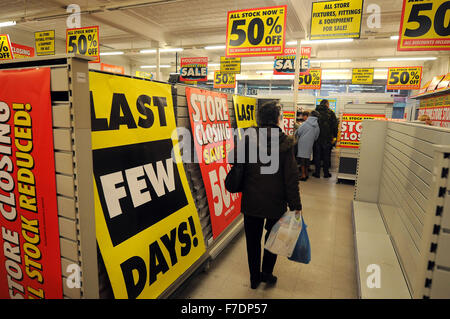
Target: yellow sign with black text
{"x":224,"y":80}
{"x":230,"y":65}
{"x":310,"y":80}
{"x":256,"y":32}
{"x":5,"y":48}
{"x":404,"y":78}
{"x":84,"y":41}
{"x":245,"y":112}
{"x":362,"y":76}
{"x":336,"y":19}
{"x":424,"y":26}
{"x":147,"y":226}
{"x":45,"y":42}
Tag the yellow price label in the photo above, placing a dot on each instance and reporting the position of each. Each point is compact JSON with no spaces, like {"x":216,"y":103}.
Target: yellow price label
{"x":256,"y":32}
{"x":5,"y":48}
{"x":424,"y":26}
{"x":84,"y":41}
{"x":144,"y":75}
{"x":310,"y":80}
{"x":362,"y":76}
{"x":230,"y":65}
{"x":224,"y":80}
{"x":336,"y":19}
{"x":404,"y":78}
{"x":45,"y":42}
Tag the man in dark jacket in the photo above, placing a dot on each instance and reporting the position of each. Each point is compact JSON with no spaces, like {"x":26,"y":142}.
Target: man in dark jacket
{"x":266,"y":196}
{"x":328,"y":125}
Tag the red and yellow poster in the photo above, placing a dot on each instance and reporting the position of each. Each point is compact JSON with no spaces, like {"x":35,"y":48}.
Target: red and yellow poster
{"x":350,"y":129}
{"x":288,"y":122}
{"x":437,"y":108}
{"x":22,"y":51}
{"x":256,"y":32}
{"x":213,"y":139}
{"x":424,"y":26}
{"x":30,"y":260}
{"x":194,"y":69}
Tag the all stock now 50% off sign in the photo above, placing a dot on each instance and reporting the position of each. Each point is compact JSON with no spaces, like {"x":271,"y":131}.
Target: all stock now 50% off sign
{"x":84,"y":41}
{"x":256,"y":32}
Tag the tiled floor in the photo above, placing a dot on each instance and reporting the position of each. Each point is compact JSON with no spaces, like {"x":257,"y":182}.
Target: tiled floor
{"x":331,"y":273}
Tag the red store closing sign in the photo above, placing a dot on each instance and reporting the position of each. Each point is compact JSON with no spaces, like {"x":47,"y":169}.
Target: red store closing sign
{"x":30,"y":260}
{"x":213,"y":139}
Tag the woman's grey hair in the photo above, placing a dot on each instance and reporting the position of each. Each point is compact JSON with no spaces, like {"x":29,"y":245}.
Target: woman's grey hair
{"x":268,"y":114}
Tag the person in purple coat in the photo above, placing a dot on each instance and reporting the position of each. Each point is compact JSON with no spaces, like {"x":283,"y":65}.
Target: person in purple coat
{"x":306,"y":135}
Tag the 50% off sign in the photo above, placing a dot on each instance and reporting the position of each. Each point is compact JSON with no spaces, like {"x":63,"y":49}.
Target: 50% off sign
{"x":404,"y":78}
{"x":5,"y":48}
{"x":256,"y":32}
{"x":310,"y":80}
{"x":84,"y":41}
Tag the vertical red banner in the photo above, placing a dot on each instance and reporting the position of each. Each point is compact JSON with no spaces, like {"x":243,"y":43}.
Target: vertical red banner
{"x":289,"y":122}
{"x":213,"y":139}
{"x":30,"y":260}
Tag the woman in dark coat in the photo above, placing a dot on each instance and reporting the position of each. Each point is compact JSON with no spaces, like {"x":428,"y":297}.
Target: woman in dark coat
{"x":266,"y":196}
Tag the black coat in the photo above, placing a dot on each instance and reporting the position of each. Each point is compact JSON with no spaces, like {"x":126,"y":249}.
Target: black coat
{"x":269,"y":195}
{"x":328,"y":125}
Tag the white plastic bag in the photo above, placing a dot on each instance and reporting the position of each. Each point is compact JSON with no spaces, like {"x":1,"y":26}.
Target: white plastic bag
{"x":284,"y":235}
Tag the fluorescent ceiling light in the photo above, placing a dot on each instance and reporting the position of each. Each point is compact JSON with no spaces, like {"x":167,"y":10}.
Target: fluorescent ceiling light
{"x":406,"y":59}
{"x":154,"y":66}
{"x":381,"y":70}
{"x":265,"y":71}
{"x":213,"y":64}
{"x":336,"y":70}
{"x":394,"y":37}
{"x":332,"y":61}
{"x":320,"y":41}
{"x":112,"y":53}
{"x":161,"y":50}
{"x":7,"y":23}
{"x":215,"y":47}
{"x":256,"y":63}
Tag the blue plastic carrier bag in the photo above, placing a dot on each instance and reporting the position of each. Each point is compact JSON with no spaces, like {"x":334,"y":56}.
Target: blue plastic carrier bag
{"x":302,"y":250}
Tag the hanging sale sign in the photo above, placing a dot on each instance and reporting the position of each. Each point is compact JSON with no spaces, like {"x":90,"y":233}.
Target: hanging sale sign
{"x":362,"y":76}
{"x":22,"y":51}
{"x":350,"y":129}
{"x":424,"y":26}
{"x":45,"y":42}
{"x":434,"y":83}
{"x":147,"y":226}
{"x":30,"y":260}
{"x":224,"y":80}
{"x":213,"y":139}
{"x":5,"y":48}
{"x":288,"y":122}
{"x":310,"y":80}
{"x":336,"y":19}
{"x":84,"y":41}
{"x":404,"y":78}
{"x":256,"y":32}
{"x":230,"y":65}
{"x":285,"y":64}
{"x":194,"y":69}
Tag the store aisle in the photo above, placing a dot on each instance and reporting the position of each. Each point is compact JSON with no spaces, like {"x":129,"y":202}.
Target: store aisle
{"x":331,"y":273}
